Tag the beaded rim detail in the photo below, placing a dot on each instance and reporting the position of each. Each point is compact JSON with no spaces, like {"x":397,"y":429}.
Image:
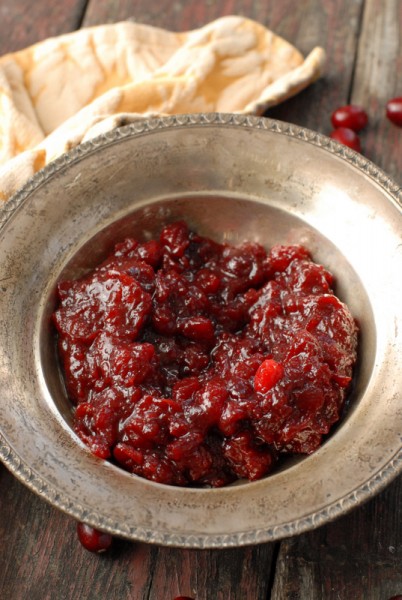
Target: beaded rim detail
{"x":143,"y":127}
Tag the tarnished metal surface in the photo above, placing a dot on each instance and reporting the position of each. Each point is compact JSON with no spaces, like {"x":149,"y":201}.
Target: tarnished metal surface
{"x":232,"y":178}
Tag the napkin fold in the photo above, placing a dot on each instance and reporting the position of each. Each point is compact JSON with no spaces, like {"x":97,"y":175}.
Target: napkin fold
{"x":63,"y":91}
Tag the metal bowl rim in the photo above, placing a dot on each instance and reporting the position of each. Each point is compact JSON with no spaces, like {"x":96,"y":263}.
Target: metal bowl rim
{"x":147,"y":126}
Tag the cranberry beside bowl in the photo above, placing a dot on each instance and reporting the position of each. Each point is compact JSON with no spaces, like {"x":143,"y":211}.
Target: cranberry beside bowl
{"x":232,"y":179}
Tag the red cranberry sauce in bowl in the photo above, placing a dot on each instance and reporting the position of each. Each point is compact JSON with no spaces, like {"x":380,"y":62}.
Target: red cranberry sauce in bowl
{"x":196,"y":363}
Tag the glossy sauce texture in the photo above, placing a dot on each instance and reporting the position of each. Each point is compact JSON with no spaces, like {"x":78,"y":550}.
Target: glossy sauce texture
{"x":196,"y":363}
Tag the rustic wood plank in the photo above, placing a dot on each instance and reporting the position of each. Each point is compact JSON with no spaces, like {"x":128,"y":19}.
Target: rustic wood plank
{"x":232,"y":574}
{"x":48,"y":560}
{"x":358,"y":556}
{"x":175,"y":16}
{"x":335,"y":27}
{"x":23,"y":22}
{"x":378,"y":79}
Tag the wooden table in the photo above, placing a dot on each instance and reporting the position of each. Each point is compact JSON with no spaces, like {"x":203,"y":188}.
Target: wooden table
{"x":356,"y":557}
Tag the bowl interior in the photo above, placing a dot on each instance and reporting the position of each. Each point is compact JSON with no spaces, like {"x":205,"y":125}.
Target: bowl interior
{"x":224,"y":219}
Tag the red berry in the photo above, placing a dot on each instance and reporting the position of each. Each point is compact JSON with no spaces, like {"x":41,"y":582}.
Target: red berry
{"x":196,"y":328}
{"x":93,"y":539}
{"x":347,"y":137}
{"x":208,"y":281}
{"x":268,"y":374}
{"x":350,"y":116}
{"x":394,"y":111}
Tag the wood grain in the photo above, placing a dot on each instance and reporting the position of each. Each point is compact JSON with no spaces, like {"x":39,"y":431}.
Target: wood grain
{"x":24,"y":22}
{"x":180,"y":15}
{"x":358,"y":556}
{"x":335,"y":27}
{"x":233,"y":574}
{"x":50,"y":564}
{"x":378,"y":79}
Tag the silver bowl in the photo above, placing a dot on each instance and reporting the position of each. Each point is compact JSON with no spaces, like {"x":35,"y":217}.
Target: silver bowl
{"x":232,"y":178}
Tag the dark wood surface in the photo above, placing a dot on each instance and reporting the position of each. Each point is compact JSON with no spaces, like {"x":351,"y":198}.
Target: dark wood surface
{"x":357,"y":557}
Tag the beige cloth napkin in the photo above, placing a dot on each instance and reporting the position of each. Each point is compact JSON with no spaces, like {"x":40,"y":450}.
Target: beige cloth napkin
{"x":65,"y":90}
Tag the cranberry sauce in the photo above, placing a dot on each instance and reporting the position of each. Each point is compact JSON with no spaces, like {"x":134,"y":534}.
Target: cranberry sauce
{"x":196,"y":363}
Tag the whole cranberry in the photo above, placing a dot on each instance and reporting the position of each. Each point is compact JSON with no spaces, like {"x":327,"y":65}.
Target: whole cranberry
{"x":394,"y":111}
{"x":93,"y":539}
{"x":350,"y":116}
{"x":347,"y":137}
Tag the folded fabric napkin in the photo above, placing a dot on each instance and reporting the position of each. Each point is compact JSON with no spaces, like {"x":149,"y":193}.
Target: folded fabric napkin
{"x":65,"y":90}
